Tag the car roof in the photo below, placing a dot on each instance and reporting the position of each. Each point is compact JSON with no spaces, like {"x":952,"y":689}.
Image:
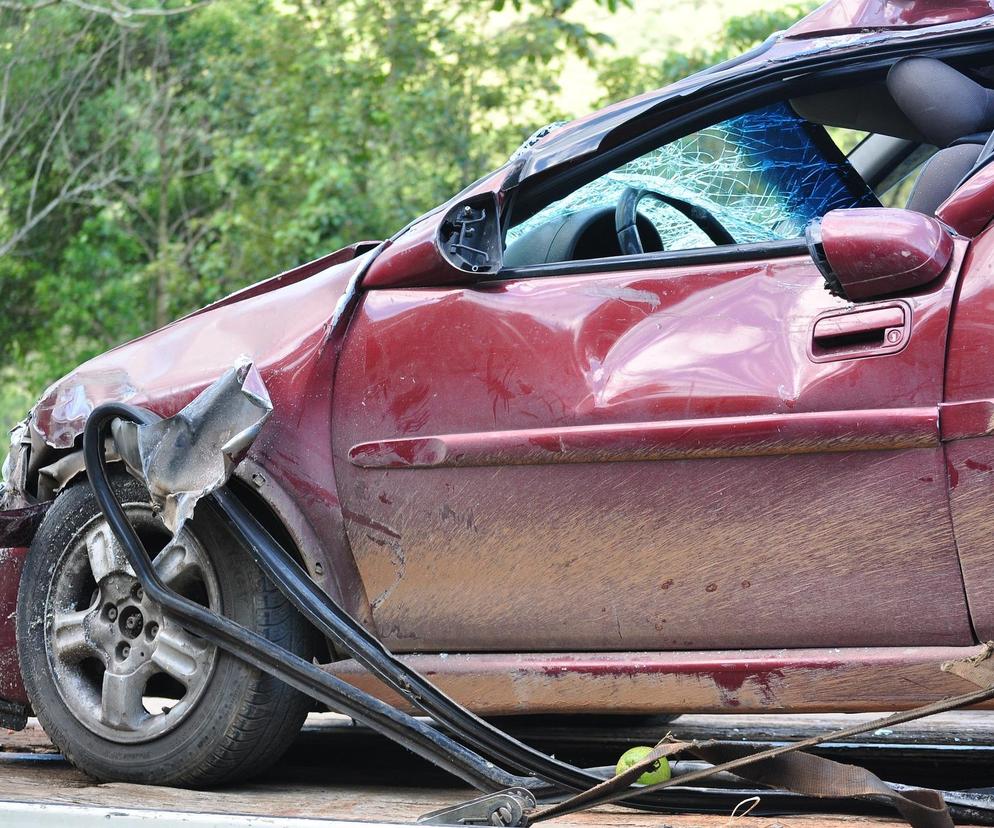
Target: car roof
{"x":839,"y":16}
{"x":838,"y":26}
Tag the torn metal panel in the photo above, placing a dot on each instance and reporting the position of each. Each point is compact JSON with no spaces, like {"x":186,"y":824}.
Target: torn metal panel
{"x":191,"y":454}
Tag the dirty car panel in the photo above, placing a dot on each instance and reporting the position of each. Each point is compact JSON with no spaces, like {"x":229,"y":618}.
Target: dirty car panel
{"x":600,"y":552}
{"x":11,"y":686}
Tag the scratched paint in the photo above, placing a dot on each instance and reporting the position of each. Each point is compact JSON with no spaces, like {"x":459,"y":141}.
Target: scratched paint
{"x":756,"y":549}
{"x":863,"y":679}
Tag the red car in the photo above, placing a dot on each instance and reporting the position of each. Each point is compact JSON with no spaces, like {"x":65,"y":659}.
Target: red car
{"x":681,"y":409}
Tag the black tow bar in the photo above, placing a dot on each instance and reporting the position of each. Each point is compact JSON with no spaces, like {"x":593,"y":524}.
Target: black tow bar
{"x":509,"y":799}
{"x":417,"y":736}
{"x":477,"y":746}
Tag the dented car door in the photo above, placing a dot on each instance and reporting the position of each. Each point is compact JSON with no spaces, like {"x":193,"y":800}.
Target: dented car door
{"x":690,"y":456}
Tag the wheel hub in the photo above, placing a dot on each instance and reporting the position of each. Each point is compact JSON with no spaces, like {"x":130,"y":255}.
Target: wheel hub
{"x":132,"y":622}
{"x":126,"y":670}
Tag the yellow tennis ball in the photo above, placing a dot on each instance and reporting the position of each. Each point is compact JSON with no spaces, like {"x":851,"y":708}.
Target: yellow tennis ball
{"x":660,"y":770}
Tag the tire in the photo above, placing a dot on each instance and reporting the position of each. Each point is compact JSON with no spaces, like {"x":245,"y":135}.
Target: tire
{"x":94,"y":650}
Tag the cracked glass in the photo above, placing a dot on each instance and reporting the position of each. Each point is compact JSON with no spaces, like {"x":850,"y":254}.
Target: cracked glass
{"x":764,"y":175}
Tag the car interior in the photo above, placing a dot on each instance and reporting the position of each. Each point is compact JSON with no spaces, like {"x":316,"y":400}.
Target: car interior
{"x":917,"y":134}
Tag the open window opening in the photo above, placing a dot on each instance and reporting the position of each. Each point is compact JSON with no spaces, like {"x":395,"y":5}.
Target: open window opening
{"x":762,"y":176}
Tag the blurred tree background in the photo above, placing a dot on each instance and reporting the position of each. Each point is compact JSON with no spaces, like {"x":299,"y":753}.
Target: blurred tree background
{"x":154,"y":158}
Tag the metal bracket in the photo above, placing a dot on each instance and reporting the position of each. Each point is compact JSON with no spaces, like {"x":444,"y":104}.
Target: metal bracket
{"x":504,"y":808}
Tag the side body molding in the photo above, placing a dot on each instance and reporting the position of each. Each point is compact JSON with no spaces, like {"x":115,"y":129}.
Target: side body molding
{"x":965,"y":420}
{"x":755,"y":436}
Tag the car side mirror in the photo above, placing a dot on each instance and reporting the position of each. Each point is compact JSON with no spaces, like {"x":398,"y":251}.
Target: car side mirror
{"x":469,"y":236}
{"x":866,"y":253}
{"x":458,"y":246}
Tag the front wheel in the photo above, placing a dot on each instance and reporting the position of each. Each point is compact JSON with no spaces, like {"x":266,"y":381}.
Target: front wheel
{"x":122,"y":689}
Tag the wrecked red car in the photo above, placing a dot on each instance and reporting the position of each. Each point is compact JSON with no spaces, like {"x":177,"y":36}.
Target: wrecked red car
{"x":683,"y":409}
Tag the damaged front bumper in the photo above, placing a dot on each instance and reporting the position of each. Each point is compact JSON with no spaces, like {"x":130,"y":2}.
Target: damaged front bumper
{"x":13,"y":698}
{"x":19,"y":521}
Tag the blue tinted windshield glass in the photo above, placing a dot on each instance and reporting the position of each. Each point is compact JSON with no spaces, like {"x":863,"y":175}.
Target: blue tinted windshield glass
{"x":764,"y":175}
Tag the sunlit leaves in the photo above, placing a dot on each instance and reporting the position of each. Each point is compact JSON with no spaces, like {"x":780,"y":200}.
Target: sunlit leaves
{"x":257,"y":135}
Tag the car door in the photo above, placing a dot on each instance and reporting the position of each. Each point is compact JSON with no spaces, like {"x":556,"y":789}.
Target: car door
{"x":697,"y":449}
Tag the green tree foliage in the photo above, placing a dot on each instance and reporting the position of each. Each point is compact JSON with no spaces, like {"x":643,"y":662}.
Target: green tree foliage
{"x":630,"y":75}
{"x":176,"y":159}
{"x":152,"y":162}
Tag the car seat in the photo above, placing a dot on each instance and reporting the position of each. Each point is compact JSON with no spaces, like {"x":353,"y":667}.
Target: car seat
{"x":951,"y":111}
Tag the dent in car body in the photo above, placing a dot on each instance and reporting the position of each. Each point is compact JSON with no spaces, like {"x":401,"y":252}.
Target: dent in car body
{"x":288,"y":331}
{"x":554,"y":546}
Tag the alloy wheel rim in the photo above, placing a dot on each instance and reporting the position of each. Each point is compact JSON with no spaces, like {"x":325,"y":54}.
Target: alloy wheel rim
{"x":126,"y":670}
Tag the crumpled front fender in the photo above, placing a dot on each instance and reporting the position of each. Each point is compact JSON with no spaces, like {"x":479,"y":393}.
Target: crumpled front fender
{"x":290,"y":328}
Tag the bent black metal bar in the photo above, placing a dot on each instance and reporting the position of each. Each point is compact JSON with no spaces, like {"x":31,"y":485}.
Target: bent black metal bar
{"x":415,"y":735}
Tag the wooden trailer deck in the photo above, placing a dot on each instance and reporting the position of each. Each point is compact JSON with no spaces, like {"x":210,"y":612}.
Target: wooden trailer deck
{"x":340,"y":773}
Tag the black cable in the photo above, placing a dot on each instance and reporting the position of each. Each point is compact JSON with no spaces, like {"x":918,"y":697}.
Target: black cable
{"x":417,"y":736}
{"x":330,"y":619}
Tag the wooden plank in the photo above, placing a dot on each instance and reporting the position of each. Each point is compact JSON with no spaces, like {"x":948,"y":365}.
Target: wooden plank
{"x":65,"y":786}
{"x":337,"y":771}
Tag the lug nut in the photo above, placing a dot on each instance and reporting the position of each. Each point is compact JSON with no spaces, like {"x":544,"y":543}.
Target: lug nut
{"x":153,"y":630}
{"x":123,"y":651}
{"x":138,"y":592}
{"x":111,"y":612}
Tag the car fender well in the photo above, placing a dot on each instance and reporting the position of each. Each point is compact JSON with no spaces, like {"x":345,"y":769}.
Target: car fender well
{"x":254,"y":485}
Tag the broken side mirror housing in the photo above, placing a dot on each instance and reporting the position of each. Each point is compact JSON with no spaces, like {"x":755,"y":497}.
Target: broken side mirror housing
{"x":469,"y":236}
{"x":870,"y":252}
{"x":456,"y":247}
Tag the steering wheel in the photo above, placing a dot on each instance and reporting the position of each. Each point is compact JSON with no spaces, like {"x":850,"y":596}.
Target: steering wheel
{"x":627,"y":210}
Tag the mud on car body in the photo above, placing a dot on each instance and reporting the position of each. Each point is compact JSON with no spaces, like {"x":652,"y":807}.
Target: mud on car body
{"x":610,"y":431}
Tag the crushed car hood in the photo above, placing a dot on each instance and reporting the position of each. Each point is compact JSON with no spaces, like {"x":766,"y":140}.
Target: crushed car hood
{"x":288,"y":318}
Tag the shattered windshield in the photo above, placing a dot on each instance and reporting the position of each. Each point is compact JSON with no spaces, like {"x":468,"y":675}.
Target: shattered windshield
{"x":764,"y":175}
